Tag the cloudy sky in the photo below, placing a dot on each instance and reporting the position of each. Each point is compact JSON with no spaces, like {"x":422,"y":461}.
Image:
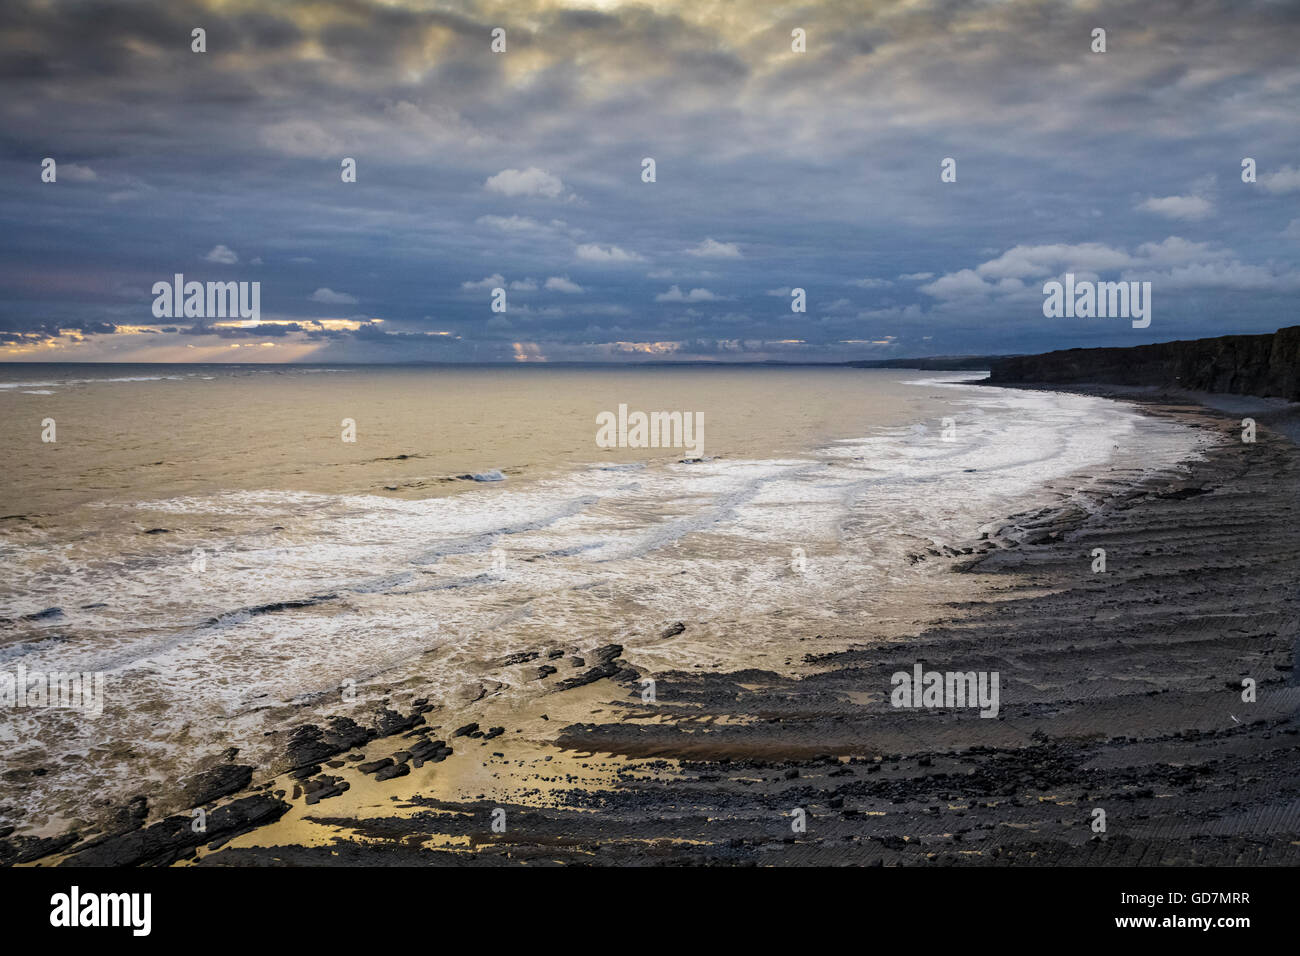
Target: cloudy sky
{"x":522,"y":170}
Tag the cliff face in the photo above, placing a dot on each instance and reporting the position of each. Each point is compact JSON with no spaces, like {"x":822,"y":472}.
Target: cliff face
{"x":1266,"y":365}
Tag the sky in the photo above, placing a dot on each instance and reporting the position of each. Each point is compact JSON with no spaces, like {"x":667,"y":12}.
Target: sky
{"x":522,"y":171}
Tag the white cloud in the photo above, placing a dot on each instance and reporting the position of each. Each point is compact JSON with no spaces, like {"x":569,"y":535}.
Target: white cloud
{"x":494,"y":281}
{"x":1173,"y":263}
{"x":1285,"y":180}
{"x":1175,"y":251}
{"x":77,"y":173}
{"x":712,"y":249}
{"x":525,"y":182}
{"x":514,"y":224}
{"x":563,"y":284}
{"x":1022,"y":262}
{"x":916,"y":276}
{"x":871,"y":283}
{"x":1178,"y":207}
{"x":591,"y":252}
{"x":221,"y":254}
{"x":675,"y":294}
{"x":330,"y":297}
{"x":958,"y":285}
{"x":524,"y":285}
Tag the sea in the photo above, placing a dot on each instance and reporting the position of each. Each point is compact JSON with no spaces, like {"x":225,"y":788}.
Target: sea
{"x":238,"y":549}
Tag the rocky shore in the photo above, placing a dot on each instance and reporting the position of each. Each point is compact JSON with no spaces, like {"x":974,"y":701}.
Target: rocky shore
{"x":1121,"y":691}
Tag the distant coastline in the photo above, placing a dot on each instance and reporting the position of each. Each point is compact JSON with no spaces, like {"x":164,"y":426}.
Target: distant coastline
{"x":1264,"y":365}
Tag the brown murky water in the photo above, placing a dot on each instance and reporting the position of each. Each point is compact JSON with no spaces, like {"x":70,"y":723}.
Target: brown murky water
{"x":204,"y":539}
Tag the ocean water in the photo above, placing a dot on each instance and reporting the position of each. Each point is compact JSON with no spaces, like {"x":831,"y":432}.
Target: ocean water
{"x":204,"y":537}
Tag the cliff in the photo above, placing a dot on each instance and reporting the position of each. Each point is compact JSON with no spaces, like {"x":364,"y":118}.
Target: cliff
{"x":1266,"y":365}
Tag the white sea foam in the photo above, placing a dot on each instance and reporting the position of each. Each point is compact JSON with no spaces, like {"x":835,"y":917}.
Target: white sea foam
{"x":87,"y":381}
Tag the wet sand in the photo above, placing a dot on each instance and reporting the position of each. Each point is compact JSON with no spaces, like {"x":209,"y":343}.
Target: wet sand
{"x":1119,"y":691}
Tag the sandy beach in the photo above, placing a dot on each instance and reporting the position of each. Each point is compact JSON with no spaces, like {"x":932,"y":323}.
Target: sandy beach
{"x":1120,"y":691}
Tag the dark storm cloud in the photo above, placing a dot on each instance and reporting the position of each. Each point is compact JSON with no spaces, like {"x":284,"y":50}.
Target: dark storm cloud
{"x":820,"y":171}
